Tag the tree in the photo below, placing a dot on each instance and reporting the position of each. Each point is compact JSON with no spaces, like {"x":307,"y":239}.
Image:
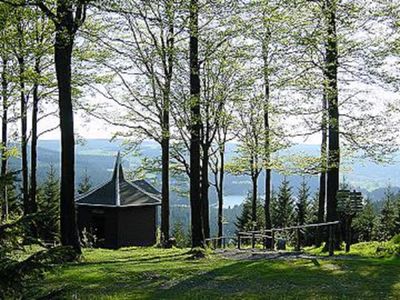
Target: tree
{"x":48,"y":203}
{"x":302,"y":209}
{"x":386,"y":228}
{"x":143,"y":39}
{"x":42,"y":85}
{"x":67,"y":16}
{"x":20,"y":51}
{"x":195,"y":198}
{"x":331,"y":93}
{"x":85,"y":185}
{"x":5,"y":86}
{"x":217,"y":166}
{"x":302,"y":204}
{"x":364,"y":223}
{"x":179,"y":234}
{"x":250,"y":149}
{"x":245,"y":221}
{"x":397,"y":221}
{"x":283,"y":215}
{"x":322,"y":176}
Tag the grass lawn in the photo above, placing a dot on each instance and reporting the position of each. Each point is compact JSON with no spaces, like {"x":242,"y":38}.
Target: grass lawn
{"x":150,"y":273}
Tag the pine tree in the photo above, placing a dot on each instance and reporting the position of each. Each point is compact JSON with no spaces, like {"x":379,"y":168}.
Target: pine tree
{"x":302,"y":205}
{"x":397,"y":220}
{"x":312,"y":218}
{"x":365,"y":222}
{"x":178,"y":233}
{"x":244,"y":221}
{"x":48,"y":202}
{"x":387,"y":218}
{"x":312,"y":214}
{"x":284,"y":206}
{"x":85,"y":185}
{"x":302,"y":208}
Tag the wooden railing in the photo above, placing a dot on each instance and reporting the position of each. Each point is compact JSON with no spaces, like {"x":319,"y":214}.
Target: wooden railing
{"x":269,"y":234}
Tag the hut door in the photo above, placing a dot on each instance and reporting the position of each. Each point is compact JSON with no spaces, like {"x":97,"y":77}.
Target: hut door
{"x":99,"y":228}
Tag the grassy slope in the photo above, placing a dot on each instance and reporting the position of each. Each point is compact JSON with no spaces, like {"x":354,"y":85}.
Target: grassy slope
{"x":149,"y":273}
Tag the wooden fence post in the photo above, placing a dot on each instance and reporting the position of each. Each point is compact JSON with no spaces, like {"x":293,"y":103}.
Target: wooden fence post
{"x":253,"y":240}
{"x":272,"y":240}
{"x":238,"y":237}
{"x":331,"y":243}
{"x":297,"y":239}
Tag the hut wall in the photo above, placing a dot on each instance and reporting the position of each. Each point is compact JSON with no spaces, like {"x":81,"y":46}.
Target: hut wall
{"x":105,"y":218}
{"x":137,"y":226}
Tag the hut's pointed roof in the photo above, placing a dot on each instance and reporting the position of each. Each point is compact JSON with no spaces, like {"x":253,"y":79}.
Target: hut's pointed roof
{"x":119,"y":192}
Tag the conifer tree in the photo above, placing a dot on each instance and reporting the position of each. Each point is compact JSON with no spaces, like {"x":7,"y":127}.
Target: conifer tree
{"x":387,"y":219}
{"x":364,"y":224}
{"x":48,"y":202}
{"x":284,"y":206}
{"x":302,"y":205}
{"x":397,"y":221}
{"x":85,"y":185}
{"x":179,"y":234}
{"x":245,"y":222}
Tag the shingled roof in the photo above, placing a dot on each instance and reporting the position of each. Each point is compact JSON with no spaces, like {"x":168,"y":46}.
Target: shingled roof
{"x":117,"y":192}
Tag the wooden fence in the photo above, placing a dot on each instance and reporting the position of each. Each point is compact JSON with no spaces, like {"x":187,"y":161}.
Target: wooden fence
{"x":269,"y":234}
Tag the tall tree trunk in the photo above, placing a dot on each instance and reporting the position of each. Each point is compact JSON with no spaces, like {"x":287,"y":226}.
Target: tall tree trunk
{"x":165,"y":187}
{"x":24,"y":143}
{"x":34,"y":138}
{"x":165,"y":141}
{"x":322,"y":178}
{"x":195,"y":199}
{"x":267,"y":150}
{"x":63,"y":55}
{"x":205,"y":184}
{"x":331,"y":68}
{"x":221,"y":193}
{"x":4,"y":139}
{"x":254,"y":179}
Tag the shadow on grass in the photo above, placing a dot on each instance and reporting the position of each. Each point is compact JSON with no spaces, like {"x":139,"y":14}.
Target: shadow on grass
{"x":149,"y":258}
{"x":299,"y":279}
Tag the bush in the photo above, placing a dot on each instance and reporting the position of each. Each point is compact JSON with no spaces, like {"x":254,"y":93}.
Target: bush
{"x":16,"y":273}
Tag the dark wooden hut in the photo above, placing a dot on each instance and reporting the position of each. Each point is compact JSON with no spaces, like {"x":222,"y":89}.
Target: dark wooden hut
{"x":119,"y":213}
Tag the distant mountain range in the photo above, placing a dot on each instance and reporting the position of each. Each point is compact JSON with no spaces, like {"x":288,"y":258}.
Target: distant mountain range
{"x":97,"y":157}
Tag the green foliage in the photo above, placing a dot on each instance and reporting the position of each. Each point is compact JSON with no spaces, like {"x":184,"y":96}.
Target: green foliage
{"x":179,"y":233}
{"x":312,"y":216}
{"x":85,"y":185}
{"x":386,"y":227}
{"x":302,"y":204}
{"x":48,"y":203}
{"x":17,"y":273}
{"x":365,"y":222}
{"x":244,"y":221}
{"x":283,"y":206}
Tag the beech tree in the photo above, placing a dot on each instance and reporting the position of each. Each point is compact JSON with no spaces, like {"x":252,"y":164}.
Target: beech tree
{"x":195,"y":127}
{"x":5,"y":93}
{"x":250,"y":149}
{"x":67,"y":16}
{"x":144,"y":40}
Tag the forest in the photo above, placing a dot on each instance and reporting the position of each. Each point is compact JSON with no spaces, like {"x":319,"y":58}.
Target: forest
{"x":194,"y":77}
